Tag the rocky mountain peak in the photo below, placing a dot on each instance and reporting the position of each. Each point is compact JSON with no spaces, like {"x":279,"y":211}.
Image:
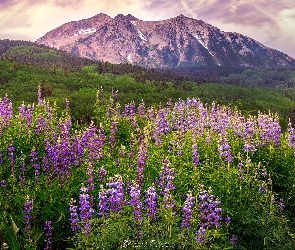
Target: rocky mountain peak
{"x":178,"y":41}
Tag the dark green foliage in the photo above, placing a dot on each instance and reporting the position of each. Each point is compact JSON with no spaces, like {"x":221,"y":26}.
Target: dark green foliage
{"x":21,"y":82}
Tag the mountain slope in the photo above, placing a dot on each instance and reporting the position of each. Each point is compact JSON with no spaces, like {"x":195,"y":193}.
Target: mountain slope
{"x":178,"y":41}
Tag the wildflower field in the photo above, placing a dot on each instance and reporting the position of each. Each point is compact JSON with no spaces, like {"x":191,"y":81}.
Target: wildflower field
{"x":183,"y":175}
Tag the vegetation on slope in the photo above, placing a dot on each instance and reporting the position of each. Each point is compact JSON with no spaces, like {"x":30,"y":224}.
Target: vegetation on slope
{"x":185,"y":175}
{"x":20,"y":82}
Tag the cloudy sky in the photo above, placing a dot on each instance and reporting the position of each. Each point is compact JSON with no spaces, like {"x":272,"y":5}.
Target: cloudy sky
{"x":271,"y":22}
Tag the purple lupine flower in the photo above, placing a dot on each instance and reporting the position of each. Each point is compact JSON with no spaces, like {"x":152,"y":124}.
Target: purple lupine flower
{"x":93,"y":141}
{"x":42,"y":124}
{"x":227,"y":219}
{"x":90,"y":177}
{"x":103,"y":202}
{"x":209,"y":213}
{"x":195,"y":154}
{"x":85,"y":210}
{"x":165,"y":183}
{"x":142,"y":156}
{"x":141,"y":109}
{"x":3,"y":183}
{"x":136,"y":207}
{"x":48,"y":234}
{"x":233,"y":240}
{"x":264,"y":172}
{"x":116,"y":193}
{"x":6,"y":111}
{"x":279,"y":204}
{"x":187,"y":211}
{"x":60,"y":157}
{"x":262,"y":188}
{"x":200,"y":234}
{"x":166,"y":176}
{"x":22,"y":170}
{"x":74,"y":215}
{"x":151,"y":203}
{"x":291,"y":136}
{"x":101,"y":174}
{"x":161,"y":125}
{"x":270,"y":130}
{"x":240,"y":169}
{"x":26,"y":113}
{"x":1,"y":161}
{"x":135,"y":202}
{"x":225,"y":150}
{"x":35,"y":165}
{"x":11,"y":158}
{"x":28,"y":206}
{"x":249,"y":147}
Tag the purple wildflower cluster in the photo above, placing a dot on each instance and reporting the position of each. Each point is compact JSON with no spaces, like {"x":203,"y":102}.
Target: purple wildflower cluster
{"x":209,"y":214}
{"x":48,"y":234}
{"x":161,"y":125}
{"x":279,"y":203}
{"x":291,"y":137}
{"x":115,"y":193}
{"x":28,"y":206}
{"x":195,"y":154}
{"x":85,"y":210}
{"x":136,"y":207}
{"x":6,"y":111}
{"x":165,"y":183}
{"x":11,"y":157}
{"x":74,"y":217}
{"x":270,"y":129}
{"x":141,"y":160}
{"x":225,"y":149}
{"x":35,"y":165}
{"x":187,"y":211}
{"x":151,"y":203}
{"x":103,"y":204}
{"x":26,"y":112}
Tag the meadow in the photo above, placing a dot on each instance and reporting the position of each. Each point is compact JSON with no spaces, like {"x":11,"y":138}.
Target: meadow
{"x":176,"y":175}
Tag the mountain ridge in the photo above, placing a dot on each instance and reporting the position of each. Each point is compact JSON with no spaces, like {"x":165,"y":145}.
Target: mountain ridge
{"x":178,"y":41}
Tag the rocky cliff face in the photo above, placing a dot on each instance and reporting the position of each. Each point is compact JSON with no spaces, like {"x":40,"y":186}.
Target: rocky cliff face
{"x":179,"y":41}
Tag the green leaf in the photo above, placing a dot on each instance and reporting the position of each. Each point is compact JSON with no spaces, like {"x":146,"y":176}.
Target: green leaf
{"x":10,"y":233}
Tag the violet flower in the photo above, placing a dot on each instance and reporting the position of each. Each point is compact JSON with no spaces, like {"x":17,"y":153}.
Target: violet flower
{"x":151,"y":203}
{"x":74,"y":215}
{"x":48,"y":234}
{"x":116,"y":193}
{"x":85,"y":210}
{"x":233,"y":240}
{"x":101,"y":174}
{"x":35,"y":165}
{"x":103,"y":202}
{"x":195,"y":154}
{"x":136,"y":207}
{"x":209,"y":213}
{"x":11,"y":158}
{"x":187,"y":211}
{"x":28,"y":206}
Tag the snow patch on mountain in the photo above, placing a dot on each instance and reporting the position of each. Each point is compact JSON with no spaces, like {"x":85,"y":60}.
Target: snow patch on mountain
{"x":142,"y":36}
{"x":129,"y":58}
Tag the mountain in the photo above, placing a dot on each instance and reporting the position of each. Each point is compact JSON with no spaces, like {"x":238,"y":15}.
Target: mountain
{"x":178,"y":41}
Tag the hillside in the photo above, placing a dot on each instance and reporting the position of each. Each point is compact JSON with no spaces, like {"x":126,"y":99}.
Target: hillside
{"x":21,"y":81}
